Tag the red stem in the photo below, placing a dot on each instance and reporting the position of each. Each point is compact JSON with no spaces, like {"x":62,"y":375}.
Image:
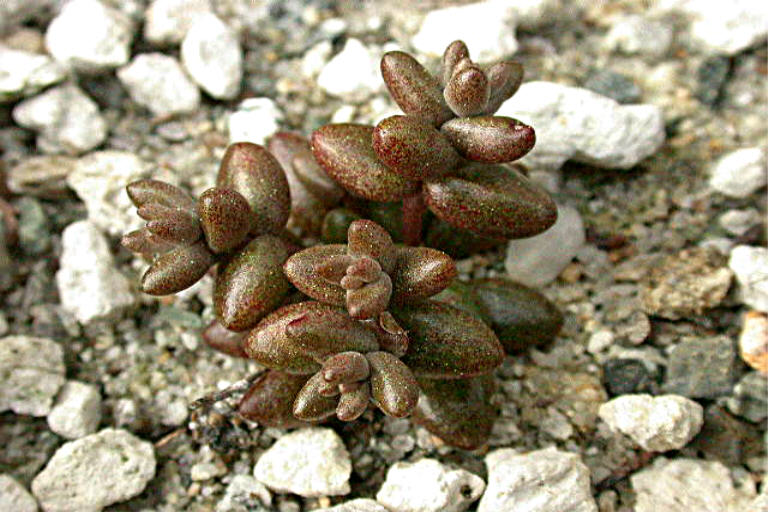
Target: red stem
{"x":413,"y":214}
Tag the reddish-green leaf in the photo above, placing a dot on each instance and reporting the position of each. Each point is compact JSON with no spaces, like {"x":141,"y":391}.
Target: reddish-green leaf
{"x":490,"y":139}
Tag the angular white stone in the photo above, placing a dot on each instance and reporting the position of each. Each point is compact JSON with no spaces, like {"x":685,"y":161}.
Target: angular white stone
{"x":32,"y":372}
{"x":688,"y":485}
{"x":308,"y":462}
{"x":158,"y":82}
{"x":637,"y":34}
{"x":315,"y":58}
{"x":429,"y":486}
{"x":14,"y":497}
{"x":167,"y":21}
{"x":255,"y":120}
{"x":750,"y":264}
{"x":358,"y":505}
{"x":212,"y":56}
{"x":77,"y":410}
{"x":353,"y":74}
{"x":66,"y":119}
{"x":96,"y":471}
{"x":25,"y":73}
{"x":244,"y":493}
{"x":488,"y":29}
{"x":538,"y":260}
{"x":739,"y":173}
{"x":658,"y":424}
{"x":90,"y":37}
{"x":90,"y":287}
{"x":99,"y":179}
{"x":738,"y":222}
{"x":545,"y":480}
{"x":572,"y":123}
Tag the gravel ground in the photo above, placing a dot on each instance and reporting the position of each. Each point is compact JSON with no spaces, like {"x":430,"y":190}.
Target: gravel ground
{"x":652,"y":137}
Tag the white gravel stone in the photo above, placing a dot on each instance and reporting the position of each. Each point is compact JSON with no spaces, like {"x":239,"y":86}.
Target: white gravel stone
{"x":167,"y":21}
{"x":77,"y":410}
{"x":753,"y":341}
{"x":739,"y":173}
{"x":657,"y":424}
{"x":212,"y":56}
{"x":572,"y":123}
{"x":429,"y":486}
{"x":66,"y":119}
{"x":32,"y":372}
{"x":14,"y":497}
{"x":547,"y":480}
{"x":99,"y":179}
{"x":637,"y":34}
{"x":315,"y":58}
{"x":255,"y":120}
{"x":158,"y":82}
{"x":308,"y":462}
{"x":358,"y":505}
{"x":538,"y":260}
{"x":738,"y":222}
{"x":685,"y":485}
{"x":488,"y":29}
{"x":244,"y":494}
{"x":89,"y":36}
{"x":96,"y":471}
{"x":723,"y":27}
{"x":90,"y":287}
{"x":24,"y":73}
{"x":750,"y":264}
{"x":352,"y":74}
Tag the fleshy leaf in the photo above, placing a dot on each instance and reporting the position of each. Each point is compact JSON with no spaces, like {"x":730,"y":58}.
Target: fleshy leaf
{"x":269,"y":400}
{"x":346,"y":153}
{"x":251,"y":283}
{"x":225,"y":218}
{"x":420,"y":272}
{"x":447,"y":343}
{"x":353,"y":403}
{"x":413,"y":88}
{"x":145,"y":192}
{"x":490,"y":139}
{"x":370,"y":300}
{"x":175,"y":225}
{"x":310,"y":404}
{"x":222,"y":339}
{"x":412,"y":147}
{"x":253,"y":172}
{"x":491,"y":200}
{"x":457,"y":243}
{"x":457,"y":411}
{"x":346,"y":367}
{"x":454,"y":53}
{"x":393,"y":386}
{"x":505,"y":79}
{"x":391,"y":337}
{"x":302,"y":270}
{"x":177,"y":270}
{"x":366,"y":238}
{"x":336,"y":223}
{"x":144,"y":242}
{"x":467,"y":91}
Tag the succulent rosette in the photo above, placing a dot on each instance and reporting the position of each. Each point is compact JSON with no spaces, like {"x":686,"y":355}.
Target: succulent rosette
{"x":446,"y":151}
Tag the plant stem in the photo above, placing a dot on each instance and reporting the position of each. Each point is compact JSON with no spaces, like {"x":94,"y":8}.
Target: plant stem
{"x":413,"y":215}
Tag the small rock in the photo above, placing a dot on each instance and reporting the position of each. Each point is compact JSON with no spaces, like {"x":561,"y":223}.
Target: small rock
{"x":538,"y":260}
{"x":158,"y":82}
{"x":206,"y":470}
{"x":624,"y":376}
{"x":750,"y":264}
{"x":25,"y":73}
{"x":99,"y":179}
{"x":495,"y":41}
{"x":429,"y":486}
{"x":89,"y":36}
{"x":95,"y":471}
{"x":738,"y":222}
{"x":712,"y":76}
{"x":689,"y":484}
{"x":34,"y":234}
{"x":701,"y":367}
{"x":613,"y":85}
{"x":41,"y":176}
{"x":77,"y":410}
{"x":167,"y":21}
{"x":90,"y":287}
{"x":212,"y":56}
{"x":577,"y":124}
{"x":315,"y":58}
{"x":657,"y":424}
{"x":753,"y":341}
{"x":722,"y":27}
{"x":638,"y":35}
{"x":67,"y":120}
{"x":739,"y":173}
{"x":686,"y":284}
{"x":14,"y":497}
{"x":244,"y":494}
{"x":725,"y":438}
{"x":358,"y":505}
{"x":353,"y":74}
{"x":600,"y":341}
{"x":309,"y":462}
{"x":255,"y":120}
{"x":547,"y":480}
{"x":32,"y":371}
{"x":750,"y":398}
